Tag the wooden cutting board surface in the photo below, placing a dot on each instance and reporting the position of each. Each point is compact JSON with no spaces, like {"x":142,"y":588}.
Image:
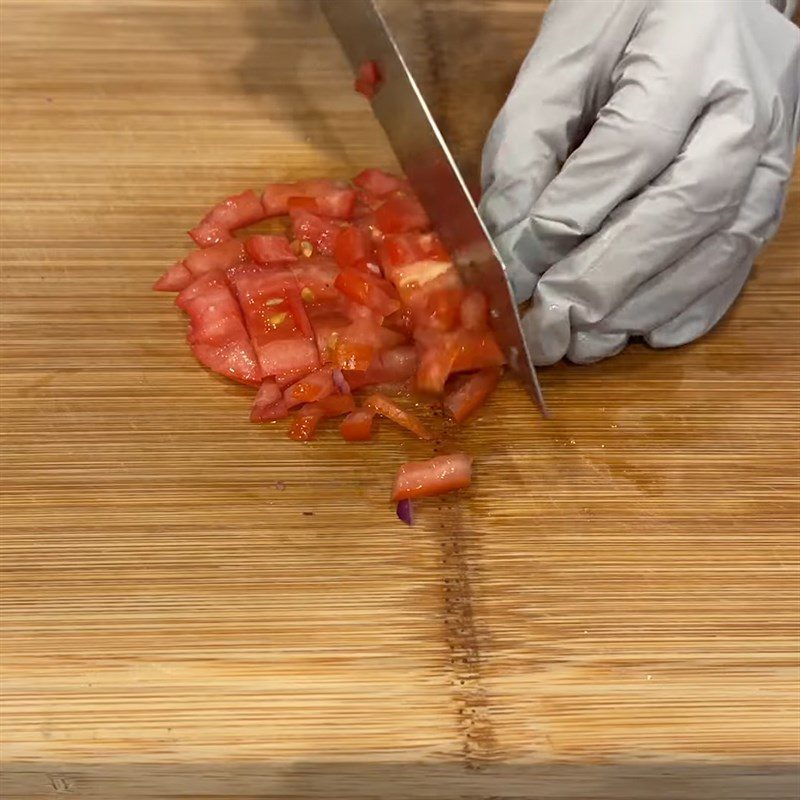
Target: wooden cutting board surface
{"x":195,"y":606}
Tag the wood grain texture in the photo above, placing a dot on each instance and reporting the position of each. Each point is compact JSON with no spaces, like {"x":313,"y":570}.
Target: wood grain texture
{"x":196,"y":607}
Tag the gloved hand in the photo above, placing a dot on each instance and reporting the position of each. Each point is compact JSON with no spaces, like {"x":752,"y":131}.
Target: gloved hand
{"x":638,"y":165}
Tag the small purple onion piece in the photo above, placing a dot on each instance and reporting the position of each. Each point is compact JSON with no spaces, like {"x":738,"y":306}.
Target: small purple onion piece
{"x":340,"y":383}
{"x":405,"y":512}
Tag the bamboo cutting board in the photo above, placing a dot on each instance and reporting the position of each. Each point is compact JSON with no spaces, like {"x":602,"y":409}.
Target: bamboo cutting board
{"x":196,"y":607}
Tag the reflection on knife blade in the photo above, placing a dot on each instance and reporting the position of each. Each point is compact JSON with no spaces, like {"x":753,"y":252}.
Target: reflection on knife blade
{"x":432,"y":172}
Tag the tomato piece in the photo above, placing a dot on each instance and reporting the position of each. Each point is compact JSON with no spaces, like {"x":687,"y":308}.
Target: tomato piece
{"x":379,"y":183}
{"x":475,"y":311}
{"x":322,"y":233}
{"x":269,"y":404}
{"x":337,"y":405}
{"x":401,"y":321}
{"x":382,"y":405}
{"x":231,"y":214}
{"x":264,"y":249}
{"x":402,"y":215}
{"x":443,"y":308}
{"x":433,"y":477}
{"x":368,"y":79}
{"x":355,"y":346}
{"x":357,"y":425}
{"x":305,"y":423}
{"x":338,"y":204}
{"x":471,"y":393}
{"x":217,"y":334}
{"x":477,"y":350}
{"x":396,"y":365}
{"x":353,"y":245}
{"x":314,"y":386}
{"x":367,"y":289}
{"x":280,"y":344}
{"x":176,"y":278}
{"x":436,"y":363}
{"x":316,"y":277}
{"x":335,"y":197}
{"x":222,"y":256}
{"x":302,"y":203}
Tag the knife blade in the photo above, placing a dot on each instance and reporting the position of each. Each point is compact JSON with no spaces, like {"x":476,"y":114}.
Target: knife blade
{"x":433,"y":174}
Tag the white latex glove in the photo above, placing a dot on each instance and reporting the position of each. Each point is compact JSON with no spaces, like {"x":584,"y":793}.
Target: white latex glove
{"x":638,"y":165}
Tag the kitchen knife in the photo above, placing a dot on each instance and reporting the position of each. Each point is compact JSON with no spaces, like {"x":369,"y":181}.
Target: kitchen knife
{"x":430,"y":168}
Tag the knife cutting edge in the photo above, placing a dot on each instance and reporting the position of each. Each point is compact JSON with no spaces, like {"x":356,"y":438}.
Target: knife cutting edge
{"x":430,"y":168}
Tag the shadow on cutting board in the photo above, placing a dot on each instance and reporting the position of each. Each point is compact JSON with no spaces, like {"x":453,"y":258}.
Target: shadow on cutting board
{"x":633,"y":780}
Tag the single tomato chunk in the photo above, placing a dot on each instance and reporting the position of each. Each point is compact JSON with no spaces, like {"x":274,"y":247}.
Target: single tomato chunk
{"x":321,"y":233}
{"x":379,"y":183}
{"x":353,"y":246}
{"x":436,"y":363}
{"x":222,"y":256}
{"x":436,"y":476}
{"x":357,"y":425}
{"x":176,"y":278}
{"x":269,"y":404}
{"x":368,"y":290}
{"x":312,"y":387}
{"x":217,"y":334}
{"x":337,"y":405}
{"x":394,"y":366}
{"x":268,"y":297}
{"x":382,"y":405}
{"x":335,"y":198}
{"x":471,"y":393}
{"x":236,"y":212}
{"x":402,"y":215}
{"x":306,"y":422}
{"x":477,"y":350}
{"x":368,"y":79}
{"x":264,"y":249}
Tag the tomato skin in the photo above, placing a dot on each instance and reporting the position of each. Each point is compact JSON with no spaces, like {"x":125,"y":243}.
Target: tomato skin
{"x":312,"y":387}
{"x":402,"y":215}
{"x":233,"y":213}
{"x":265,"y":249}
{"x":322,"y":233}
{"x":368,"y":79}
{"x":222,"y":256}
{"x":471,"y":393}
{"x":176,"y":278}
{"x":217,"y":334}
{"x":382,"y":405}
{"x":379,"y":183}
{"x":368,"y":290}
{"x":269,"y":404}
{"x":477,"y":350}
{"x":357,"y":425}
{"x":436,"y":476}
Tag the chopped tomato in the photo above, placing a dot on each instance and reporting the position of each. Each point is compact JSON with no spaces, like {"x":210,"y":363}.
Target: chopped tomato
{"x":305,"y":423}
{"x":236,"y":212}
{"x":477,"y":350}
{"x":316,"y":277}
{"x":474,"y":311}
{"x":265,"y":249}
{"x":312,"y":387}
{"x":402,"y":215}
{"x":436,"y":476}
{"x":269,"y":404}
{"x":339,"y":204}
{"x":396,"y":365}
{"x":356,"y":345}
{"x":379,"y":183}
{"x":367,"y":289}
{"x":443,"y":308}
{"x":357,"y":425}
{"x":337,"y":405}
{"x":382,"y":405}
{"x":335,"y":197}
{"x":304,"y":204}
{"x":368,"y":79}
{"x":217,"y":335}
{"x":353,"y":245}
{"x":321,"y":233}
{"x":280,"y":344}
{"x":222,"y":256}
{"x":176,"y":278}
{"x":471,"y":393}
{"x":436,"y":363}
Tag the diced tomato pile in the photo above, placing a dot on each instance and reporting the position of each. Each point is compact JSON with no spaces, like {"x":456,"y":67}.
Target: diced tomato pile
{"x":359,"y":294}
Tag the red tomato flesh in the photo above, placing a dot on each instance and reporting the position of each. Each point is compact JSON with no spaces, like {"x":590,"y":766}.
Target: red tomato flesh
{"x":222,"y":256}
{"x":264,"y":249}
{"x":436,"y":476}
{"x":305,"y":423}
{"x":367,"y":289}
{"x":312,"y":387}
{"x":382,"y":405}
{"x":357,"y":425}
{"x":402,"y":215}
{"x":231,"y":214}
{"x":368,"y":79}
{"x":380,"y":183}
{"x":217,"y":334}
{"x":176,"y":278}
{"x":335,"y":197}
{"x":321,"y":233}
{"x":269,"y":404}
{"x":353,"y":245}
{"x":337,"y":405}
{"x":471,"y":393}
